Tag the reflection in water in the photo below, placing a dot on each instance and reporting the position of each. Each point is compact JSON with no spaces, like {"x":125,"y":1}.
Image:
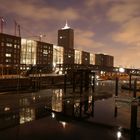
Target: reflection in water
{"x":28,"y":107}
{"x":90,"y":99}
{"x":34,"y":98}
{"x":57,"y":100}
{"x":6,"y":108}
{"x":119,"y":135}
{"x":26,"y":115}
{"x":68,"y":101}
{"x":24,"y":102}
{"x":53,"y":115}
{"x":63,"y":124}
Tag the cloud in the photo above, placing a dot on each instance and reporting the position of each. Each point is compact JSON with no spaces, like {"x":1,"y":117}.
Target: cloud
{"x":34,"y":11}
{"x":93,"y":3}
{"x":127,"y":16}
{"x":130,"y":32}
{"x":127,"y":57}
{"x":124,"y":12}
{"x":84,"y":40}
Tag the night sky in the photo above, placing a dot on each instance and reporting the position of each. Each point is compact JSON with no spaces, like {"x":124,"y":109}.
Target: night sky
{"x":101,"y":26}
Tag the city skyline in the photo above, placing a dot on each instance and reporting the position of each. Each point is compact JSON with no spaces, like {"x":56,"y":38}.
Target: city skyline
{"x":105,"y":26}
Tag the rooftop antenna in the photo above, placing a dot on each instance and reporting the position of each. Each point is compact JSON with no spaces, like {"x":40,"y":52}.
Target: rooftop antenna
{"x":2,"y":23}
{"x":15,"y":23}
{"x":17,"y":28}
{"x":66,"y":26}
{"x":19,"y":33}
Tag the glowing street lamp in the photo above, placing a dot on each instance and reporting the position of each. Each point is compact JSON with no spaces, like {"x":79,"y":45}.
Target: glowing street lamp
{"x":121,"y":70}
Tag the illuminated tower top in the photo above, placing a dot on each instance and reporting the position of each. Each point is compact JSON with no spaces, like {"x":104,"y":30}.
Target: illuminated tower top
{"x":66,"y":26}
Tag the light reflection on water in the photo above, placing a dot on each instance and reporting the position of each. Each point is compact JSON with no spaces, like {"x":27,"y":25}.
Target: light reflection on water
{"x":57,"y":100}
{"x":26,"y":115}
{"x":28,"y":107}
{"x":63,"y":124}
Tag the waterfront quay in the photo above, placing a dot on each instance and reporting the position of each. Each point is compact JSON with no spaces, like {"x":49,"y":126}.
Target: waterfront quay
{"x":59,"y":113}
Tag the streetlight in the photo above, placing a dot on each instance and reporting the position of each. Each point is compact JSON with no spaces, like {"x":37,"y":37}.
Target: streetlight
{"x":121,"y":70}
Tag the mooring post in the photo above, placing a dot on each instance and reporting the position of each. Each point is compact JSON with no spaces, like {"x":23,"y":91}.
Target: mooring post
{"x":81,"y":82}
{"x":74,"y":81}
{"x":93,"y":82}
{"x":116,"y":86}
{"x":65,"y":83}
{"x":116,"y":111}
{"x":80,"y":109}
{"x":92,"y":106}
{"x":86,"y":81}
{"x":133,"y":124}
{"x":135,"y":88}
{"x":130,"y":79}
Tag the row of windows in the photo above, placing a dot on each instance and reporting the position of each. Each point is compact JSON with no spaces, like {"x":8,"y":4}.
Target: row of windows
{"x":9,"y":61}
{"x":11,"y":51}
{"x":10,"y":40}
{"x":45,"y":51}
{"x":43,"y":59}
{"x":44,"y":55}
{"x":10,"y":45}
{"x":45,"y":47}
{"x":8,"y":55}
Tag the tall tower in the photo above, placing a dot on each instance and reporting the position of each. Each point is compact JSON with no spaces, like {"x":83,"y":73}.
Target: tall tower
{"x":66,"y":37}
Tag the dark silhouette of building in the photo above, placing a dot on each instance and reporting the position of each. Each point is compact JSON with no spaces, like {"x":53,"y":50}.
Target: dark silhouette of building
{"x":68,"y":56}
{"x":66,"y":40}
{"x":85,"y":58}
{"x":66,"y":37}
{"x":44,"y":53}
{"x":104,"y":60}
{"x":10,"y":48}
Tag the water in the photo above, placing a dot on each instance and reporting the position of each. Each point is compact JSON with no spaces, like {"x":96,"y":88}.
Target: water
{"x":70,"y":109}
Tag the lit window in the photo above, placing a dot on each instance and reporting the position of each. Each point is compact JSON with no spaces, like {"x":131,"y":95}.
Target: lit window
{"x":15,"y":46}
{"x":8,"y":55}
{"x":8,"y":44}
{"x":18,"y":46}
{"x":8,"y":60}
{"x":45,"y":52}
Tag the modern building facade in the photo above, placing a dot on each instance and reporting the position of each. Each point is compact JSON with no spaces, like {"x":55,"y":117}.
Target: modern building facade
{"x":92,"y":59}
{"x":28,"y":53}
{"x":35,"y":53}
{"x":58,"y":53}
{"x":44,"y":53}
{"x":10,"y":49}
{"x":77,"y":57}
{"x":104,"y":60}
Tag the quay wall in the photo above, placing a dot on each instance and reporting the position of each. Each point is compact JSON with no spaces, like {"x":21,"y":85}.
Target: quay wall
{"x":10,"y":84}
